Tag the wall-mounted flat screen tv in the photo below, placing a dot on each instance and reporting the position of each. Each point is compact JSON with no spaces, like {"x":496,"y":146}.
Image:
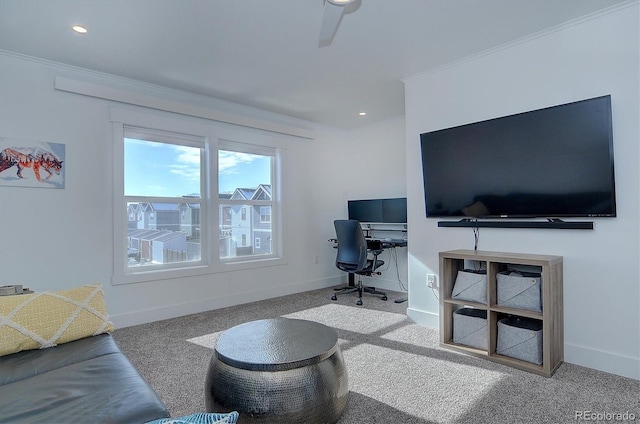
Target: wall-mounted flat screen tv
{"x":387,"y":211}
{"x":548,"y":163}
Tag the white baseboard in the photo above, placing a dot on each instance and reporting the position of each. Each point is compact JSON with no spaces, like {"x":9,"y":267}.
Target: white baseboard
{"x":203,"y":305}
{"x":424,"y":318}
{"x":610,"y":362}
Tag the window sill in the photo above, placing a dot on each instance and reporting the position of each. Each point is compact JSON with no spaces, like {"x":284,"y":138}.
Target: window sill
{"x":250,"y":264}
{"x":155,"y":275}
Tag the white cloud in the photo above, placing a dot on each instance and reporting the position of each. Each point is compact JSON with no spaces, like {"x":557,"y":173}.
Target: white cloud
{"x":228,"y":161}
{"x":188,"y":163}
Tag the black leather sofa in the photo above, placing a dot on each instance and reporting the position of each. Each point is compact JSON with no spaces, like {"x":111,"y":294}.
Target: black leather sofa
{"x":85,"y":381}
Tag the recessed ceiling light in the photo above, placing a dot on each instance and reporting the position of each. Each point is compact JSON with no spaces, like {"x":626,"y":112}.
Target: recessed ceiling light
{"x":340,"y":2}
{"x":79,"y":29}
{"x":362,"y":113}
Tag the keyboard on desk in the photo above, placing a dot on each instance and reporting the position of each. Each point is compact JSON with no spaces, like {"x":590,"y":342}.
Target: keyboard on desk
{"x":396,"y":241}
{"x":380,"y":243}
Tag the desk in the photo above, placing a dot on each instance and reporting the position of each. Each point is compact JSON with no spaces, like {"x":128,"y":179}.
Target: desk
{"x":375,"y":244}
{"x":385,"y":243}
{"x":380,"y":244}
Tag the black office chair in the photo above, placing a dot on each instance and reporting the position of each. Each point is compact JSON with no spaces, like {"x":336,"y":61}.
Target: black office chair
{"x":353,"y":257}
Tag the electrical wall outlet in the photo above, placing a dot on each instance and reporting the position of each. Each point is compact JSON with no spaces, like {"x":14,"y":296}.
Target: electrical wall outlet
{"x":432,"y":281}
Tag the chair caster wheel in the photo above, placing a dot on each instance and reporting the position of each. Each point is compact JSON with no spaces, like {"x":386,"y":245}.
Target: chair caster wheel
{"x":359,"y":302}
{"x":384,"y":297}
{"x":334,"y":297}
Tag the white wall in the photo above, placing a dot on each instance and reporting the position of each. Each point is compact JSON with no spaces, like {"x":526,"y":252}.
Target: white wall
{"x":365,"y":163}
{"x":56,"y":239}
{"x":586,"y":59}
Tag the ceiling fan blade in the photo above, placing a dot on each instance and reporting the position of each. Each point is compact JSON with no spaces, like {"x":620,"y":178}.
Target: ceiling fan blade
{"x":330,"y":21}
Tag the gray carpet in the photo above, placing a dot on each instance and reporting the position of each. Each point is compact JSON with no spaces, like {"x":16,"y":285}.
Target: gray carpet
{"x":397,"y":371}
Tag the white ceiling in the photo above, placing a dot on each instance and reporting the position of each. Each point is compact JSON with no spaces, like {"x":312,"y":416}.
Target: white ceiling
{"x":266,"y":53}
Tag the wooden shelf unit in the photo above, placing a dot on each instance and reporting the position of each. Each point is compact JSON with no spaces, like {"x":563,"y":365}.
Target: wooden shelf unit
{"x":552,"y":310}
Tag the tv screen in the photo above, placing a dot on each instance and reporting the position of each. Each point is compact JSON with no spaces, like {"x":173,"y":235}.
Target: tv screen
{"x":548,"y":163}
{"x":387,"y":211}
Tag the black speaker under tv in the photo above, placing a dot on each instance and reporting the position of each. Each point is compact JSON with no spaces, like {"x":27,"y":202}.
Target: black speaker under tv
{"x":552,"y":163}
{"x":386,"y":211}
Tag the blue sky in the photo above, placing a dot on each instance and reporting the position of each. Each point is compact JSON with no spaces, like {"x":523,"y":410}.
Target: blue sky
{"x":166,"y":170}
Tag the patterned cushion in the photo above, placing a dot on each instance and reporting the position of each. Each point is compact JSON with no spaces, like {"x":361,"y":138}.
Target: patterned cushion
{"x":45,"y":319}
{"x":201,"y":418}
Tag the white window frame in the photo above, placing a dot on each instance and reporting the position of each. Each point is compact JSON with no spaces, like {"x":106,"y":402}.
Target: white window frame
{"x":217,"y":136}
{"x":274,"y":203}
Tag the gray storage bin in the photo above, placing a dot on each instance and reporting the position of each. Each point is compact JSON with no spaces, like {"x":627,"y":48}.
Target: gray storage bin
{"x":470,"y":327}
{"x":470,"y":285}
{"x":520,"y":338}
{"x":517,"y":290}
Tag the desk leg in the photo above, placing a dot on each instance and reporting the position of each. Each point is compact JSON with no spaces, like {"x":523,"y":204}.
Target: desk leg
{"x":352,"y":279}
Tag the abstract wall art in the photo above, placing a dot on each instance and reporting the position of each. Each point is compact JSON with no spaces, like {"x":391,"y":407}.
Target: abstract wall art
{"x":25,"y":163}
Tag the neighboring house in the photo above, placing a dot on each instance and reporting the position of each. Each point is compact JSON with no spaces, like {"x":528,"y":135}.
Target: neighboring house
{"x":225,"y":227}
{"x":157,"y":246}
{"x":190,"y":220}
{"x":163,"y":216}
{"x":163,"y":232}
{"x":262,"y":222}
{"x":244,"y":229}
{"x":251,"y":224}
{"x":168,"y":247}
{"x":157,"y":216}
{"x":134,"y":240}
{"x":134,"y":214}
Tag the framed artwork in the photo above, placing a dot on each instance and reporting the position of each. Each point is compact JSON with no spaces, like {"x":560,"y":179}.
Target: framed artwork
{"x":26,"y":163}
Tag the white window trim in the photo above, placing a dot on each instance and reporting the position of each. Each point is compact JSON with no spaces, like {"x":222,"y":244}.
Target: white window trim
{"x":274,"y":203}
{"x":217,"y":136}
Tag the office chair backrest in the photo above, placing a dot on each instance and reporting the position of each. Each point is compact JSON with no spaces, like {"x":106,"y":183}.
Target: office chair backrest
{"x":352,"y":246}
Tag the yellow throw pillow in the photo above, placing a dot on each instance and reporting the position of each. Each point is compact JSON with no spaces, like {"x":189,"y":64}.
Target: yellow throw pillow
{"x":46,"y":319}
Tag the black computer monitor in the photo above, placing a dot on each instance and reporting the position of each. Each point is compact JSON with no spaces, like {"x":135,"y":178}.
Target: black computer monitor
{"x":387,"y":211}
{"x":365,"y":210}
{"x":394,"y":211}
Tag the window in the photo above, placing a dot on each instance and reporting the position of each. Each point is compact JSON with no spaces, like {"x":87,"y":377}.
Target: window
{"x":265,"y":214}
{"x":162,"y":186}
{"x":245,"y":188}
{"x":189,"y":201}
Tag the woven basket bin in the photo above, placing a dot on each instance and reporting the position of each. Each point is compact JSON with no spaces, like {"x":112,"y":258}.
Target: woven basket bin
{"x":519,"y":291}
{"x":470,"y":327}
{"x":471,"y":286}
{"x":520,"y":338}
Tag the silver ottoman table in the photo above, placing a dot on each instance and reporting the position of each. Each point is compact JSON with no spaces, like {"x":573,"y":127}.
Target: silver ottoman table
{"x":278,"y":371}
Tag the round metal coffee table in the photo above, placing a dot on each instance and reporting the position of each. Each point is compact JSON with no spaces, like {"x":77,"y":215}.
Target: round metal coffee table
{"x":278,"y":370}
